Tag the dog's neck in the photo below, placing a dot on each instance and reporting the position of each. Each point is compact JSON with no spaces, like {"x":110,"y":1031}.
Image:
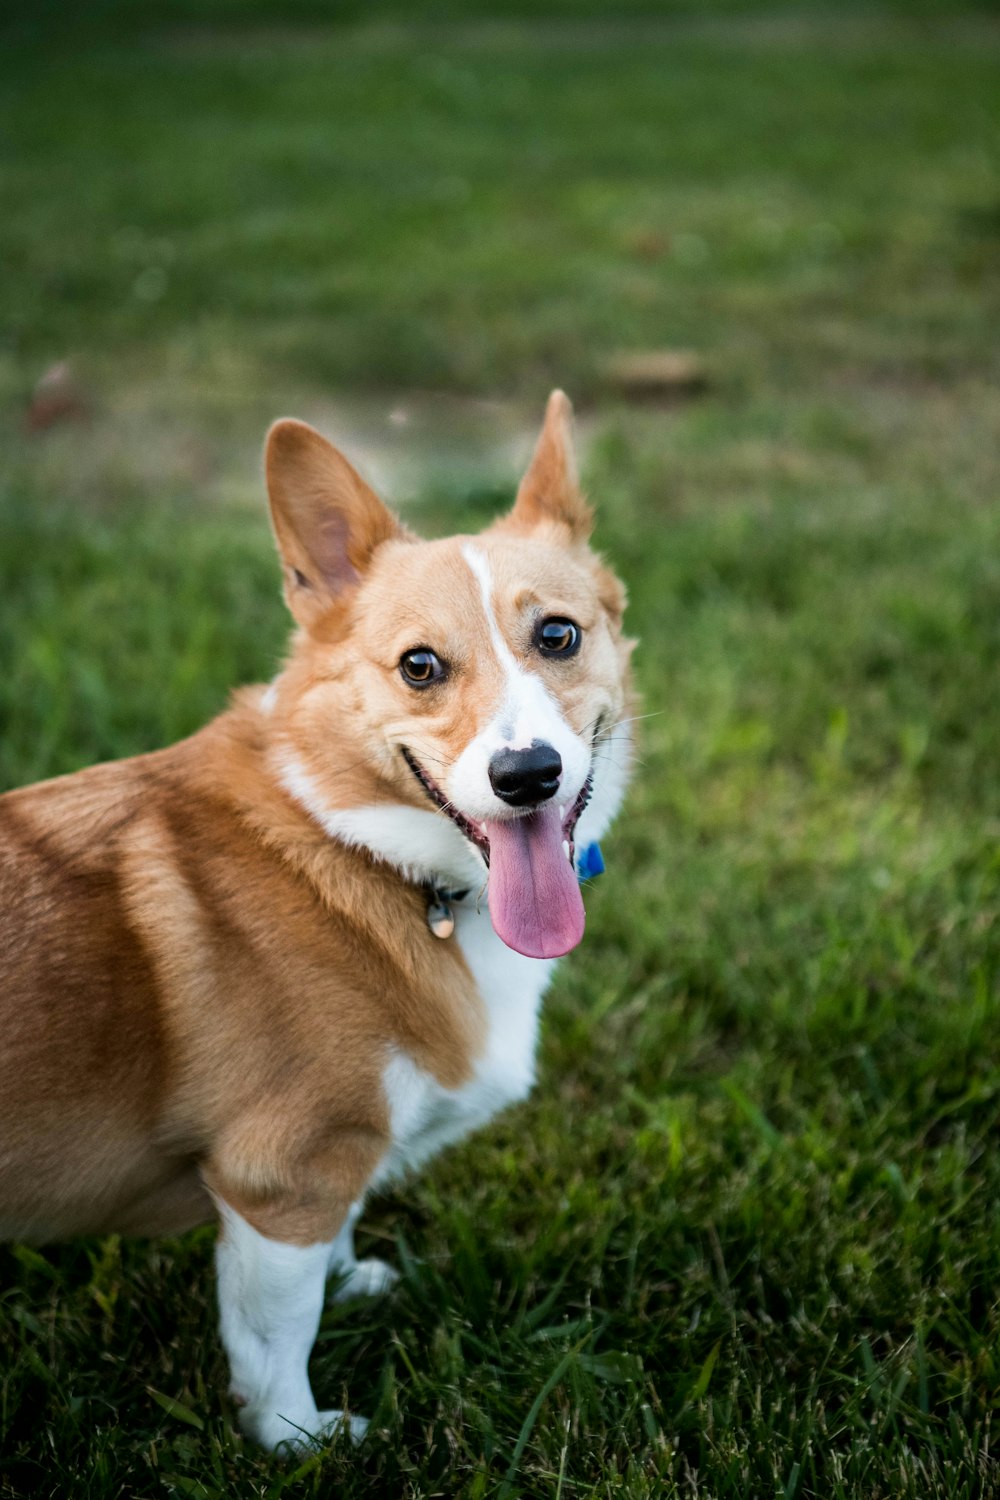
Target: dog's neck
{"x":421,"y":844}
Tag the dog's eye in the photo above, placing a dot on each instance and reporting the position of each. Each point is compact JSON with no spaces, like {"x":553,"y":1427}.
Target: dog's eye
{"x":421,"y":667}
{"x":557,"y":637}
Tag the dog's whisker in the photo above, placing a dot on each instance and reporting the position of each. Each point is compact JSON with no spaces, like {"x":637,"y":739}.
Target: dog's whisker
{"x":636,"y":718}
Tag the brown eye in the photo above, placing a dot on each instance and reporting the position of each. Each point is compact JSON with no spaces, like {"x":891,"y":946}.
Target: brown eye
{"x":421,"y":667}
{"x":557,"y":637}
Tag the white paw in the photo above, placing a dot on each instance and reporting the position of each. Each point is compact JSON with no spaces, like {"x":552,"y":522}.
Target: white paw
{"x":332,"y":1420}
{"x":276,"y":1432}
{"x":368,"y":1278}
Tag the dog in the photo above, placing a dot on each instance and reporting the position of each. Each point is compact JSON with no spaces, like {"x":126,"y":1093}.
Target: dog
{"x":265,"y":971}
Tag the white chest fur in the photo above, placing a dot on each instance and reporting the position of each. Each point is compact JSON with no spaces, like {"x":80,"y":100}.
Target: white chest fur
{"x":424,"y":1116}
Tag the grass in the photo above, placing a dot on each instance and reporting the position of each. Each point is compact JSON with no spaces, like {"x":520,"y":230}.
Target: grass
{"x":743,"y":1240}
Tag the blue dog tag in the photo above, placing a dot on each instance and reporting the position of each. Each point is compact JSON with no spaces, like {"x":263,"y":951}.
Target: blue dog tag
{"x":589,"y":861}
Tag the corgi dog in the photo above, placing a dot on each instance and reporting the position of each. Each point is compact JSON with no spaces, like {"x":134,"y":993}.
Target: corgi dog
{"x":259,"y":974}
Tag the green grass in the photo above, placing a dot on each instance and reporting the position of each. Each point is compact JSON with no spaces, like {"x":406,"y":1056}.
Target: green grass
{"x":743,"y":1240}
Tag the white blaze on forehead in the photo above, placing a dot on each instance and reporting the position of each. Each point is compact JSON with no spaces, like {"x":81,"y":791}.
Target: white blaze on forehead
{"x":525,"y":713}
{"x":480,"y":569}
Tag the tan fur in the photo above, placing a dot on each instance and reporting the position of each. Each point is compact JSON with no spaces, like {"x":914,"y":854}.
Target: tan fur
{"x":198,"y":987}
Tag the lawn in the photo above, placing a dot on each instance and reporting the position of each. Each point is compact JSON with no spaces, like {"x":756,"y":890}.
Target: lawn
{"x":744,"y":1240}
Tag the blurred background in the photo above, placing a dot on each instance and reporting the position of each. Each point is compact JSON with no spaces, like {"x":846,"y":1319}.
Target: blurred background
{"x":744,"y":1240}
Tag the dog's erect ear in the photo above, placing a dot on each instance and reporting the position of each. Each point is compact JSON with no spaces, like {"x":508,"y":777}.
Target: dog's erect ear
{"x":326,"y":519}
{"x":550,"y":491}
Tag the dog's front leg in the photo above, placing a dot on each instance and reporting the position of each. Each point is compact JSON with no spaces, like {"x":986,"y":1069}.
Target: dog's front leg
{"x":357,"y":1278}
{"x":270,"y":1299}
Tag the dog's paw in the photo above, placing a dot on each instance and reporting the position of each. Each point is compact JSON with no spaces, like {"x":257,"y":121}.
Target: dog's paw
{"x":333,"y":1421}
{"x":369,"y":1278}
{"x":280,"y":1434}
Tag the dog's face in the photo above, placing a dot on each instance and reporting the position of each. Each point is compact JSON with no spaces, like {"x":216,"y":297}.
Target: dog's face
{"x":479,"y":681}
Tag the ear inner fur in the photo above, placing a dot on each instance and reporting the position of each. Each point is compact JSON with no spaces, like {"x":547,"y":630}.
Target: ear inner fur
{"x":327,"y":521}
{"x":550,"y":492}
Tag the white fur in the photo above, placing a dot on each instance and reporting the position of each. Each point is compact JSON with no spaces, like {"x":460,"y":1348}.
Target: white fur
{"x":611,"y":764}
{"x":424,"y":1116}
{"x":526,"y":712}
{"x":357,"y":1278}
{"x":270,"y":1299}
{"x":480,"y":569}
{"x":423,"y":845}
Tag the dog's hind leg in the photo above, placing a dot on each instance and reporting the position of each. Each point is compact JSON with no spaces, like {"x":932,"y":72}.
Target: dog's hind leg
{"x":270,"y":1299}
{"x":370,"y":1277}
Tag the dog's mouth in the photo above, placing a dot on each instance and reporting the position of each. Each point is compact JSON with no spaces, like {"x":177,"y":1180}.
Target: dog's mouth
{"x":535,"y":902}
{"x":474,"y":832}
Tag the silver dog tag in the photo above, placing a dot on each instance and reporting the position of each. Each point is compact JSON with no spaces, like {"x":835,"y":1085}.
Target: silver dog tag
{"x":440,"y":919}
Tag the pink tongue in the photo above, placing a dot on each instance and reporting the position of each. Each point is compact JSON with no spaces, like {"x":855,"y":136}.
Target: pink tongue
{"x":535,"y":901}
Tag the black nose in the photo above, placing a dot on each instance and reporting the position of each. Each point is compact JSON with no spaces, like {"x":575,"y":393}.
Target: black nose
{"x":525,"y":777}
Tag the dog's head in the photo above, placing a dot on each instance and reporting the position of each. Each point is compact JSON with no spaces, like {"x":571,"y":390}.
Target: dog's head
{"x":453,"y":705}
